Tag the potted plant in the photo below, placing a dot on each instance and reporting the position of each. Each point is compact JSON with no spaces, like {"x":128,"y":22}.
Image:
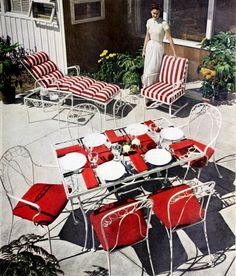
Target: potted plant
{"x":10,"y":69}
{"x":218,"y":68}
{"x":24,"y":257}
{"x":132,"y":68}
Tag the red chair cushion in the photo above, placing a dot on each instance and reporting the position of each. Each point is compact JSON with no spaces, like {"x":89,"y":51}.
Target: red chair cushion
{"x":132,"y":229}
{"x":189,"y":205}
{"x":181,"y":148}
{"x":50,"y":197}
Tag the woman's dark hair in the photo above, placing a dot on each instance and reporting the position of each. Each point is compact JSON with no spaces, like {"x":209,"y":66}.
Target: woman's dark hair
{"x":155,"y":6}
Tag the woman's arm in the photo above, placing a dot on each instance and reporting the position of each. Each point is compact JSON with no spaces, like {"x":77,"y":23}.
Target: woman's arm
{"x":147,"y":37}
{"x":170,"y":39}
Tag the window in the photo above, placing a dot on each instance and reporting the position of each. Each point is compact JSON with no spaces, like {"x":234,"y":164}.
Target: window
{"x":188,"y":19}
{"x":87,"y":10}
{"x":42,"y":10}
{"x":18,"y":6}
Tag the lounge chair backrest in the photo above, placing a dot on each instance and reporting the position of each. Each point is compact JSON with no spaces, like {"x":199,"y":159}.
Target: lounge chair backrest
{"x":41,"y":67}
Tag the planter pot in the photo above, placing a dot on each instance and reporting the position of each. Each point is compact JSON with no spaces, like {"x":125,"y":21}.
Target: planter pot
{"x":208,"y":100}
{"x":8,"y":95}
{"x":221,"y":94}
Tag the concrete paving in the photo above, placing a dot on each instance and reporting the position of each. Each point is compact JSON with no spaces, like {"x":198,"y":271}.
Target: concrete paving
{"x":41,"y":134}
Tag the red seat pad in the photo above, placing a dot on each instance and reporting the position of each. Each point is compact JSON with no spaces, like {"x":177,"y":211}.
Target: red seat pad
{"x":185,"y":211}
{"x":133,"y":227}
{"x":50,"y":197}
{"x":181,"y":148}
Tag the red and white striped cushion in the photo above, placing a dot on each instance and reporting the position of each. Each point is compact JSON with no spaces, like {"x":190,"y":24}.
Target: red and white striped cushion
{"x":93,"y":89}
{"x":44,"y":68}
{"x":162,"y":92}
{"x":49,"y":80}
{"x":172,"y":69}
{"x":81,"y":85}
{"x":108,"y":92}
{"x":36,"y":59}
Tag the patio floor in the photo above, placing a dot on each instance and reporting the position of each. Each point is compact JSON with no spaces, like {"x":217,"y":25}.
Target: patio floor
{"x":38,"y":138}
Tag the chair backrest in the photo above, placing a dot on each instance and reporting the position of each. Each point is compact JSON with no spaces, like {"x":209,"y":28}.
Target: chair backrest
{"x":204,"y":123}
{"x":42,"y":69}
{"x":189,"y":205}
{"x":126,"y":225}
{"x":174,"y":70}
{"x":16,"y":171}
{"x":82,"y":119}
{"x":127,"y":111}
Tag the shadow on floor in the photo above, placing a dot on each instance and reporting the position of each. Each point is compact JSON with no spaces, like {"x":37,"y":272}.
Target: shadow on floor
{"x":220,"y":236}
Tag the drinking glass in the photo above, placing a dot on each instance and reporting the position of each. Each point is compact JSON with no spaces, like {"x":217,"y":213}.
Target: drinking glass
{"x":154,"y":132}
{"x":93,"y":158}
{"x":116,"y":150}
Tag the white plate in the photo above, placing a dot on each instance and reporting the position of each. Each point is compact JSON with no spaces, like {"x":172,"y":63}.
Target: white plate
{"x":72,"y":161}
{"x":172,"y":133}
{"x":94,"y":140}
{"x":136,"y":129}
{"x":158,"y":157}
{"x":111,"y":170}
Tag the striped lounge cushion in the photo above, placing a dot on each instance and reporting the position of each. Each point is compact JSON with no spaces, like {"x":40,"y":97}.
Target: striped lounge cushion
{"x":36,"y":59}
{"x":170,"y":85}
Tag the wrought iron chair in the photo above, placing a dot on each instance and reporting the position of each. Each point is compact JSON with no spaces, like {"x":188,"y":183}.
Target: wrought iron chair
{"x":41,"y":203}
{"x":203,"y":128}
{"x":127,"y":110}
{"x":183,"y":206}
{"x":121,"y":224}
{"x":170,"y":86}
{"x":84,"y":118}
{"x":47,"y":75}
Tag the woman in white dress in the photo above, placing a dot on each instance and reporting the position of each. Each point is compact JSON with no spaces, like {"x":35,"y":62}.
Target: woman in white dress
{"x":153,"y":49}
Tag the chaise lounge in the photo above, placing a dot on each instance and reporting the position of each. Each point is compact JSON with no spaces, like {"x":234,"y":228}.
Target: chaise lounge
{"x":48,"y":76}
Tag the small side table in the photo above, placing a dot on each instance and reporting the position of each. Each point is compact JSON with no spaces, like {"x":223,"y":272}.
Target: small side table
{"x":46,"y":98}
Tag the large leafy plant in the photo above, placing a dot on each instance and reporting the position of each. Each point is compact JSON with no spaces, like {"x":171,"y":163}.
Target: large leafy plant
{"x":218,"y":68}
{"x":120,"y":68}
{"x":22,"y":257}
{"x":10,"y":63}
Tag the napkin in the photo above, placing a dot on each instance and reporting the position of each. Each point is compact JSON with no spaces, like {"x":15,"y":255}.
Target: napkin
{"x":147,"y":143}
{"x":113,"y":138}
{"x":138,"y":162}
{"x":104,"y":154}
{"x":151,"y":122}
{"x":182,"y":144}
{"x":89,"y":178}
{"x":75,"y":148}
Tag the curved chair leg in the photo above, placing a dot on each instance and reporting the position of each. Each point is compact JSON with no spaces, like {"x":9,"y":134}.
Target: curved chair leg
{"x":186,"y":173}
{"x":10,"y":232}
{"x":217,"y":169}
{"x":149,"y":256}
{"x":207,"y":242}
{"x":109,"y":262}
{"x":199,"y":173}
{"x":49,"y":239}
{"x":169,"y":233}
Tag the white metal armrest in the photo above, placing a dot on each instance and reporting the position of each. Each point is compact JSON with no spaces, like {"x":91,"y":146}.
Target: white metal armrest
{"x":76,"y":67}
{"x":29,"y":203}
{"x":25,"y":201}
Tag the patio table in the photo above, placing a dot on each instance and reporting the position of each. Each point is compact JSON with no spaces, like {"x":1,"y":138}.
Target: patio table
{"x":74,"y":179}
{"x":46,"y":99}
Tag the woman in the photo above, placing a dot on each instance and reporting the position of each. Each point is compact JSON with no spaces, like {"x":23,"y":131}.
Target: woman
{"x":153,"y":49}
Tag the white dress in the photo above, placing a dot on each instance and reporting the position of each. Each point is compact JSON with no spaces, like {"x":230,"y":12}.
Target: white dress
{"x":154,"y":50}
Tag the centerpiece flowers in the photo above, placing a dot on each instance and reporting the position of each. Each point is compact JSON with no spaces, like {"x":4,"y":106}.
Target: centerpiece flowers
{"x":131,"y":146}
